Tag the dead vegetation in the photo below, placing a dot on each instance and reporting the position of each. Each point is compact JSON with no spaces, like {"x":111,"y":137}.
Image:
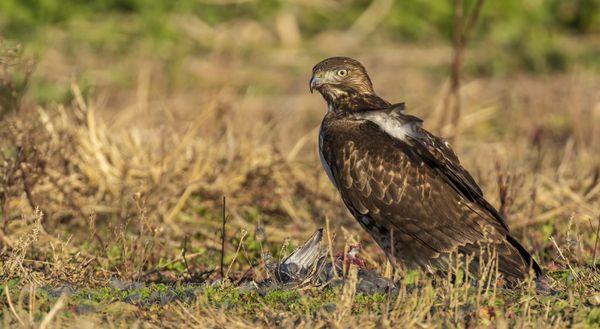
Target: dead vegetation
{"x":111,"y":204}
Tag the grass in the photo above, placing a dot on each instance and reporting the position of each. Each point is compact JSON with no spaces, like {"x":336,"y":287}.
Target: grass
{"x":111,"y":194}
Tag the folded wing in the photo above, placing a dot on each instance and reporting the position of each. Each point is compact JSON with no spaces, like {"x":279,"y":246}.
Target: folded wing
{"x":408,"y":189}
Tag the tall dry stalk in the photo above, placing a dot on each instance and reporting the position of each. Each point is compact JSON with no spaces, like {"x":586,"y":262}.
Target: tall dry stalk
{"x":223,"y":222}
{"x":463,"y":26}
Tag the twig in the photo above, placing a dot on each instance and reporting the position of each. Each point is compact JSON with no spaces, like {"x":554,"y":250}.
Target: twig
{"x":460,"y":38}
{"x":223,"y":222}
{"x":330,"y":245}
{"x":4,"y":214}
{"x":12,"y":308}
{"x":368,"y":21}
{"x":237,"y":252}
{"x":190,"y":315}
{"x":252,"y":265}
{"x":176,"y":259}
{"x":27,"y":189}
{"x":564,"y":258}
{"x":185,"y":263}
{"x":473,"y":18}
{"x":187,"y":192}
{"x":31,"y":302}
{"x":57,"y":307}
{"x":457,"y":45}
{"x":596,"y":243}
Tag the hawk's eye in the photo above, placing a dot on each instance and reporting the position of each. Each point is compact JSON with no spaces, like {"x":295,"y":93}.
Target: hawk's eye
{"x":342,"y":73}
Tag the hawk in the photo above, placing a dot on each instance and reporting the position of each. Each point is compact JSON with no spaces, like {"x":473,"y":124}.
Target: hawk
{"x":403,"y":184}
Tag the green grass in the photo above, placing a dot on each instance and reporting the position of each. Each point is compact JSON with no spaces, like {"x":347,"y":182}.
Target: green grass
{"x":138,"y":119}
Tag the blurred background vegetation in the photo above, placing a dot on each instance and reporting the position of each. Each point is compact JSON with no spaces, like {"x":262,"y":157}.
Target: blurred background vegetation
{"x":535,"y":36}
{"x":125,"y":122}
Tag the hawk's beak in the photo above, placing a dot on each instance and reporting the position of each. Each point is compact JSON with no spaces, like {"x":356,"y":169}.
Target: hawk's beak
{"x":313,"y":83}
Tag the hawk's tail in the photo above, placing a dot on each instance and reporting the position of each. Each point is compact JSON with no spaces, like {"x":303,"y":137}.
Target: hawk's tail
{"x":542,"y":281}
{"x":531,"y":263}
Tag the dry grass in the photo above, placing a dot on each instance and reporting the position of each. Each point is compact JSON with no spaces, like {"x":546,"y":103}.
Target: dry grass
{"x":127,"y":184}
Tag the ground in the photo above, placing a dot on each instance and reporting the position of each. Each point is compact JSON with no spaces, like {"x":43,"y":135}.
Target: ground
{"x":117,"y":175}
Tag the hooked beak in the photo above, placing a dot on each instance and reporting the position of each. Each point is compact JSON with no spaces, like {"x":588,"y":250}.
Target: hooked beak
{"x":314,"y":83}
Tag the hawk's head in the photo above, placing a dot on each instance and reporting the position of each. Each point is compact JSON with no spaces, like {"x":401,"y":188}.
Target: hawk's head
{"x":340,"y":76}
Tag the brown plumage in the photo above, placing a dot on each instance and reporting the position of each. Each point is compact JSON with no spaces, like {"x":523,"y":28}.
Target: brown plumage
{"x":404,"y":185}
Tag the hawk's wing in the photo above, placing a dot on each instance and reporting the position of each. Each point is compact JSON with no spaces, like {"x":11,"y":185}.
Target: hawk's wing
{"x":438,"y":155}
{"x":408,"y":187}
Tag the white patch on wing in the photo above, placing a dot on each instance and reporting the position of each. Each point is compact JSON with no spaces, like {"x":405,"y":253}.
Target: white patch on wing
{"x":392,"y":125}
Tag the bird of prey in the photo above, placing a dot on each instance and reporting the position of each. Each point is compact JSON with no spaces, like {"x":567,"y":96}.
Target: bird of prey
{"x":403,"y":184}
